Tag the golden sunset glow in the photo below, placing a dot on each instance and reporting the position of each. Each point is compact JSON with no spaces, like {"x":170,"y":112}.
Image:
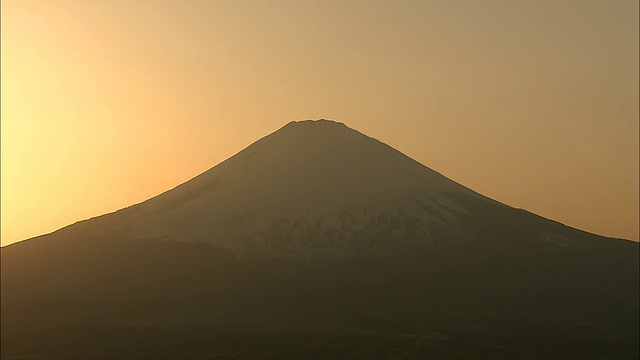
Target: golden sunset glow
{"x":108,"y":103}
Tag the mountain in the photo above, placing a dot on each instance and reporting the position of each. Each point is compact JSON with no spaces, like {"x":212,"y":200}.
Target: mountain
{"x":317,"y":239}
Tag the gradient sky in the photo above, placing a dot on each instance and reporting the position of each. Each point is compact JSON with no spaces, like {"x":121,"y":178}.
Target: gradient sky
{"x":108,"y":103}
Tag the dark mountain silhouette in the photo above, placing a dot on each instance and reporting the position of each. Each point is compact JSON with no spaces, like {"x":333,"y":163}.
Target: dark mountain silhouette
{"x":318,"y":241}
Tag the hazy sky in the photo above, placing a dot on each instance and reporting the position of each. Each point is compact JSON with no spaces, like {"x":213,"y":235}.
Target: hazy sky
{"x":107,"y":103}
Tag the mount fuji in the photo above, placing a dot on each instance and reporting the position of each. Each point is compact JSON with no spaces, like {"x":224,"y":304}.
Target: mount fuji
{"x":317,"y":239}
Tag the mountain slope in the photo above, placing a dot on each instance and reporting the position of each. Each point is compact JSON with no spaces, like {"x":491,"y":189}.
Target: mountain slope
{"x":320,"y":240}
{"x":310,"y":188}
{"x":315,"y":188}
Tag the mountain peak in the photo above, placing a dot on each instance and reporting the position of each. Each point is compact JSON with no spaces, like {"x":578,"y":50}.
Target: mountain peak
{"x":309,"y":181}
{"x":316,"y":126}
{"x":316,"y":122}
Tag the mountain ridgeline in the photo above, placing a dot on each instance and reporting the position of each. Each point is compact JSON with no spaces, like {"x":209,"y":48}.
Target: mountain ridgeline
{"x":317,"y":239}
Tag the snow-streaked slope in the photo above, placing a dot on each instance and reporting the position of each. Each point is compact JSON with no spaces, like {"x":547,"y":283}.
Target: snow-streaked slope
{"x":312,"y":187}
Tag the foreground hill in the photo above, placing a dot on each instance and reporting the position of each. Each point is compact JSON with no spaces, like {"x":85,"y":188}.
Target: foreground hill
{"x":318,"y":241}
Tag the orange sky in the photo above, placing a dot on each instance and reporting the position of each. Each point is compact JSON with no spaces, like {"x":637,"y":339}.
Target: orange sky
{"x":107,"y":103}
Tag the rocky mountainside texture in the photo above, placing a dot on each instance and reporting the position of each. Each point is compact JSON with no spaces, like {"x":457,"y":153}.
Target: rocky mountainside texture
{"x":318,"y":241}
